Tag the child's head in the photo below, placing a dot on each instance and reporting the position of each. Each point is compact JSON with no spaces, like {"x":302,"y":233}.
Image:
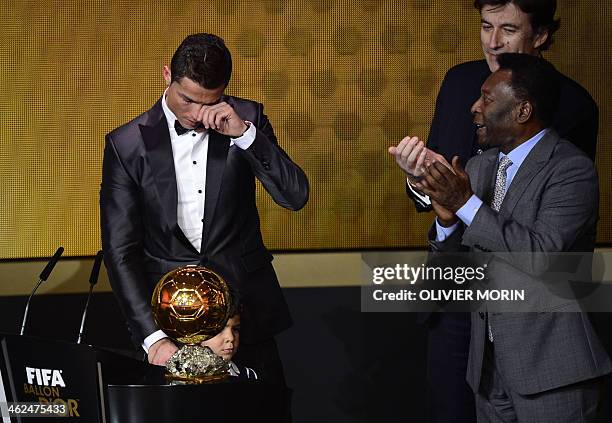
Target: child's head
{"x":225,"y":343}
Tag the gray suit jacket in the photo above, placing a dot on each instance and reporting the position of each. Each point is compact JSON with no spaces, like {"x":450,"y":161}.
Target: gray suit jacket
{"x":550,"y":207}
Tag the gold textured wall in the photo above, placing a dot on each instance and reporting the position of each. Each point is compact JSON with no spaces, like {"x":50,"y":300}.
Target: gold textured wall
{"x":341,"y":81}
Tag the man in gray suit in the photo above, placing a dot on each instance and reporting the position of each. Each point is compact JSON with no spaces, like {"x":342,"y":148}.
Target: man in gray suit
{"x":534,"y":193}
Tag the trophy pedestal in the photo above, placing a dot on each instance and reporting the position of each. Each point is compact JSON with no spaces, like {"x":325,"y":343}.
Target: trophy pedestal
{"x":195,"y":365}
{"x":194,"y":380}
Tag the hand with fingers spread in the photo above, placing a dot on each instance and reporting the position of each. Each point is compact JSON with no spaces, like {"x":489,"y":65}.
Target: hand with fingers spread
{"x":412,"y":157}
{"x":222,"y":118}
{"x":448,"y":189}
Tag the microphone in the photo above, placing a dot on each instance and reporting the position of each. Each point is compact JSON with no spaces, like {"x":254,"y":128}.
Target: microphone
{"x":49,"y":267}
{"x":41,"y":278}
{"x":93,"y":279}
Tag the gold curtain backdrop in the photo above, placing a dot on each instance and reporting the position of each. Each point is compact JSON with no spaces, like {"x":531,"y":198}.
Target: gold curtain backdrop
{"x":340,"y":80}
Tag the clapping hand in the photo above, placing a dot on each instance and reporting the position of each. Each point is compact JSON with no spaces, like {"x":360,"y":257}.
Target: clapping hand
{"x":413,"y":157}
{"x":448,"y":188}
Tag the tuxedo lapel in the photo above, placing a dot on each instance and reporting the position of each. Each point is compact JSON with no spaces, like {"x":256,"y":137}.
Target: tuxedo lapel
{"x":156,"y":139}
{"x":218,"y":146}
{"x":532,"y":164}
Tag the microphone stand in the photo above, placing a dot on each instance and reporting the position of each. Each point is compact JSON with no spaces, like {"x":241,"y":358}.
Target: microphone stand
{"x":42,"y":277}
{"x":93,"y":279}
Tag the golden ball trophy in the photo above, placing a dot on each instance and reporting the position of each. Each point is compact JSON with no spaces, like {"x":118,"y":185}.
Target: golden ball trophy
{"x":191,"y":304}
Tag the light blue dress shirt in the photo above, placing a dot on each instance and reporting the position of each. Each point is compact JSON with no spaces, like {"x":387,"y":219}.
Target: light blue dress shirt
{"x":467,"y":212}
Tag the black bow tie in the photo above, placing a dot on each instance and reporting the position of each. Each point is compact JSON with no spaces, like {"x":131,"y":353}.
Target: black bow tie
{"x":180,"y":129}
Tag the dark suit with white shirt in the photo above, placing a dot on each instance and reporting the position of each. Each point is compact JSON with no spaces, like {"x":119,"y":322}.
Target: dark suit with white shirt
{"x":142,"y":239}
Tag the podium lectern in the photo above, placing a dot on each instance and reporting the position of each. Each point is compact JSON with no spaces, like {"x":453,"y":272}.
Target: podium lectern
{"x":98,"y":386}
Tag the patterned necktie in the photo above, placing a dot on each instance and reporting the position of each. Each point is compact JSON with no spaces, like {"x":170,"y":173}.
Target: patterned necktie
{"x":500,"y":183}
{"x":498,"y":196}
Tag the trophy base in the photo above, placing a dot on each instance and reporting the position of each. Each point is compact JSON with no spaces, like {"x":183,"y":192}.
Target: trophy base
{"x":195,"y":380}
{"x":195,"y":365}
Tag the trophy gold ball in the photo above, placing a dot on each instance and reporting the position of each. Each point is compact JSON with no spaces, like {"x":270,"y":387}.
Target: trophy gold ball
{"x":191,"y":304}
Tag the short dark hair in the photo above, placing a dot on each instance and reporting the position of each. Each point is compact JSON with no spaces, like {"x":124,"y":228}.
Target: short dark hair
{"x":541,"y":15}
{"x":536,"y":80}
{"x":204,"y":59}
{"x":235,"y":305}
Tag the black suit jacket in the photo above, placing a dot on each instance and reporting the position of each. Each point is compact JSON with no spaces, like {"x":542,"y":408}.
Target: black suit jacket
{"x":453,"y":133}
{"x":142,"y":239}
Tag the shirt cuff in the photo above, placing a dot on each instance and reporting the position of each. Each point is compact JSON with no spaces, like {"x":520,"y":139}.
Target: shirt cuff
{"x":245,"y":140}
{"x":442,"y":233}
{"x":153,"y":338}
{"x":424,"y":198}
{"x":467,"y":212}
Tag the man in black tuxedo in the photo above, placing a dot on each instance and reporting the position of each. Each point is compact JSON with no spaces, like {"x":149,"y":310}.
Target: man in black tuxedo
{"x":178,"y":187}
{"x":507,"y":26}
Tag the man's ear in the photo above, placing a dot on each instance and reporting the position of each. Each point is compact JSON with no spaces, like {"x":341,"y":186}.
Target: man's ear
{"x":540,"y":38}
{"x":167,"y":75}
{"x":524,"y":111}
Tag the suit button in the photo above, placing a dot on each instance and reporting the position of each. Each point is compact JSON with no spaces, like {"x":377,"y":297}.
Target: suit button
{"x":481,"y":314}
{"x":479,"y":151}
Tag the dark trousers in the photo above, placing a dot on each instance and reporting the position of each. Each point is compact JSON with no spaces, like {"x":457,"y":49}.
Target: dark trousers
{"x":263,"y":357}
{"x":449,"y":396}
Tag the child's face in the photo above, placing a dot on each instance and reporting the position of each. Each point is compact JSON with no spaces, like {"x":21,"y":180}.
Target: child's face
{"x":225,"y":343}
